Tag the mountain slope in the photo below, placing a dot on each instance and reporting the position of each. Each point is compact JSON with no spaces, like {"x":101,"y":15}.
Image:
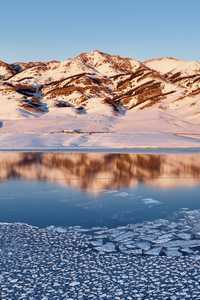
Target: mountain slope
{"x":95,"y":94}
{"x":183,"y":73}
{"x":6,"y":71}
{"x":122,"y":83}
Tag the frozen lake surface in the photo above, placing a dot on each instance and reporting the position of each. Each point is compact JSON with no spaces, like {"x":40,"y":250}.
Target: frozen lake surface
{"x":101,"y":226}
{"x":96,"y":189}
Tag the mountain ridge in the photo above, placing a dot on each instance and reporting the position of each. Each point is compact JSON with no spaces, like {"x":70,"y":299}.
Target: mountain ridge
{"x":110,"y":84}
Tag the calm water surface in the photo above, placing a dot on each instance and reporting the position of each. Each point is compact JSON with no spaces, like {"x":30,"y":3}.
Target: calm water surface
{"x":96,"y":189}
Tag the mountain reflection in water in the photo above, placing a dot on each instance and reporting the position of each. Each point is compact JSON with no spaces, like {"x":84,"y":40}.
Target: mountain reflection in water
{"x":96,"y":172}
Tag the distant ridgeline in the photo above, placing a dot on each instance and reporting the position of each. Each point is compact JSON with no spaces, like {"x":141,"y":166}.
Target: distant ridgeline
{"x":103,"y":82}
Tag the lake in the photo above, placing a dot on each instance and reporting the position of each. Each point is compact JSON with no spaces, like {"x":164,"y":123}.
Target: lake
{"x":96,"y":189}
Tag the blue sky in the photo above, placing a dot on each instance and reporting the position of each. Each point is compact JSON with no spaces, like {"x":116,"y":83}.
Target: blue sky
{"x":58,"y":29}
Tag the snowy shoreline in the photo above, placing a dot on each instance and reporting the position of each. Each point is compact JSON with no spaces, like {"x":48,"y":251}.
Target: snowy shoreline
{"x":134,"y":132}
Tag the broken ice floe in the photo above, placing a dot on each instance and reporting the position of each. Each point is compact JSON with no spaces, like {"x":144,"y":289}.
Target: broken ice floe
{"x":179,"y":236}
{"x":41,"y":263}
{"x":160,"y":237}
{"x":150,"y":201}
{"x":154,"y":251}
{"x":122,"y":194}
{"x":107,"y":247}
{"x":184,"y":236}
{"x":57,"y":229}
{"x":110,"y":191}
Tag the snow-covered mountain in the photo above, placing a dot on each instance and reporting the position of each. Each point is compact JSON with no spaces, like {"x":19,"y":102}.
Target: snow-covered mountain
{"x":183,"y":73}
{"x":119,"y":82}
{"x":6,"y":71}
{"x":99,"y":92}
{"x":186,"y":74}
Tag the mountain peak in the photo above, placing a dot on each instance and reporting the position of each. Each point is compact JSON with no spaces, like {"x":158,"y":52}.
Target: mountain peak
{"x":95,"y":77}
